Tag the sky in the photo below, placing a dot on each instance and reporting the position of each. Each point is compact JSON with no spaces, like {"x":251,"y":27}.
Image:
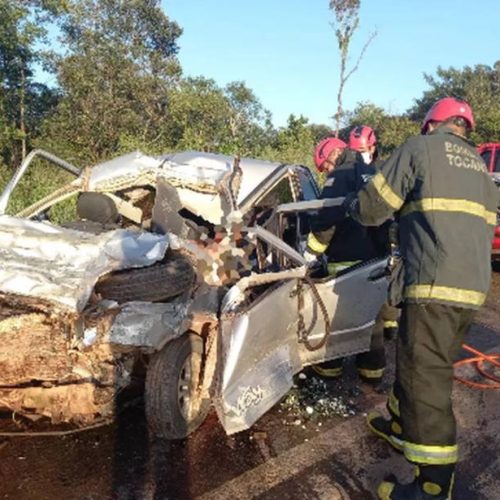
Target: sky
{"x":286,"y":50}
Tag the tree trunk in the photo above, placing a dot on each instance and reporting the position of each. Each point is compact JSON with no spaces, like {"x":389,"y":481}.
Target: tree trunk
{"x":338,"y":114}
{"x":22,"y":124}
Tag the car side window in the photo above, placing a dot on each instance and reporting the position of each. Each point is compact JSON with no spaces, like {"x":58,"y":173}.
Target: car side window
{"x":41,"y":181}
{"x":308,"y":188}
{"x":263,"y":208}
{"x":281,"y":193}
{"x":486,"y":156}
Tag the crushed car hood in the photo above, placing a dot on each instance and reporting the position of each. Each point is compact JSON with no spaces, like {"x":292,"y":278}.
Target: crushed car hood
{"x":40,"y":260}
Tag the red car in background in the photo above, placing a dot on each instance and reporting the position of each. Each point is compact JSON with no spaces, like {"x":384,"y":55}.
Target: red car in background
{"x":490,"y":153}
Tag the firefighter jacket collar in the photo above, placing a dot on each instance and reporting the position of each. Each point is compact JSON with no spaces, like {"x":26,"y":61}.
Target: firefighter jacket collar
{"x":447,"y":130}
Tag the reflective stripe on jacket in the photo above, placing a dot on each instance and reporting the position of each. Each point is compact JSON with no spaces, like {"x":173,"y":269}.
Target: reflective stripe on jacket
{"x":447,"y":205}
{"x":344,"y":239}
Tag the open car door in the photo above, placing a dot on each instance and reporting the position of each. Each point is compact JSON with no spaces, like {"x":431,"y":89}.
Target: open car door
{"x":348,"y":301}
{"x":258,"y":353}
{"x":262,"y":317}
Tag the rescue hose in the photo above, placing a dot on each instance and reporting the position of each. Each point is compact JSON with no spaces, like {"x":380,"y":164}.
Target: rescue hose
{"x":479,"y":360}
{"x":302,"y":334}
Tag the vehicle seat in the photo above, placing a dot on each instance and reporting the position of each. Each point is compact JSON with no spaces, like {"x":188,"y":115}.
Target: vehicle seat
{"x":97,"y":207}
{"x":165,"y":216}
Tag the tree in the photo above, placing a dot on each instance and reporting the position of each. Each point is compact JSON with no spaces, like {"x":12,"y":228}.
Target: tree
{"x":204,"y":116}
{"x":122,"y":89}
{"x":479,"y":85}
{"x":293,"y":143}
{"x":198,"y":116}
{"x":23,"y":102}
{"x":394,"y":132}
{"x":391,"y":130}
{"x":320,"y":131}
{"x":115,"y":78}
{"x":346,"y":23}
{"x":249,"y":123}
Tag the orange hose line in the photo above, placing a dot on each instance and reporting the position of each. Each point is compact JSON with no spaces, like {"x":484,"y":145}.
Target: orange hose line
{"x":493,"y":382}
{"x":491,"y":359}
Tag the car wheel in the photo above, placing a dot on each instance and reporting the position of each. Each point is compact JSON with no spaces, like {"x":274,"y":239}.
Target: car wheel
{"x":155,"y":283}
{"x":174,"y":408}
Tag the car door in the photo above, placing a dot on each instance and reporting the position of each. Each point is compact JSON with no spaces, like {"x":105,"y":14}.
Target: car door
{"x":259,"y":348}
{"x":258,"y":351}
{"x":351,"y":297}
{"x":353,"y":300}
{"x":259,"y":356}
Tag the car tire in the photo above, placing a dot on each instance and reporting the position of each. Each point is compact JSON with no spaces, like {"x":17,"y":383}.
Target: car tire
{"x":155,"y":283}
{"x":173,"y":405}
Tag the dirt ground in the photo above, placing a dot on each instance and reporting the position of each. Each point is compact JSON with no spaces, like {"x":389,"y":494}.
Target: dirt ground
{"x":316,"y":458}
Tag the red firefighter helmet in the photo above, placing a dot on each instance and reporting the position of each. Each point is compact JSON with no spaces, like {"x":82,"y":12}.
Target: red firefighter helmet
{"x":324,"y":149}
{"x":361,"y":138}
{"x":446,"y":108}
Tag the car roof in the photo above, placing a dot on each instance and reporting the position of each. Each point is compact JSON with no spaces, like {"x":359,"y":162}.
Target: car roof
{"x":190,"y":168}
{"x":195,"y":165}
{"x":254,"y":171}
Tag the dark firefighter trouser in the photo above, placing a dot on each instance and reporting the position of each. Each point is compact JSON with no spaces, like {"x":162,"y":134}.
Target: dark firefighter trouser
{"x":390,"y":316}
{"x":370,"y":364}
{"x":429,"y":342}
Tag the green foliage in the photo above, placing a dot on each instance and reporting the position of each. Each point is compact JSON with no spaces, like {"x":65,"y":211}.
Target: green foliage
{"x":23,"y":103}
{"x":292,"y":144}
{"x":250,"y":124}
{"x":346,"y":22}
{"x":479,"y":85}
{"x":121,"y":88}
{"x":320,"y":131}
{"x":5,"y":175}
{"x":198,"y":115}
{"x":40,"y":180}
{"x":391,"y":130}
{"x":395,"y":131}
{"x":366,"y":113}
{"x":115,"y":78}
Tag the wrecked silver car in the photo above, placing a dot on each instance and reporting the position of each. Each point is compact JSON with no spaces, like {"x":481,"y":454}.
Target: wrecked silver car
{"x":189,"y":265}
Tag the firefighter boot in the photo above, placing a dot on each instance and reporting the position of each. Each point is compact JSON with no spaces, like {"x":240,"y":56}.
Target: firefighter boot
{"x":432,"y":482}
{"x":371,"y":365}
{"x":390,"y":430}
{"x":329,"y":369}
{"x":390,"y":329}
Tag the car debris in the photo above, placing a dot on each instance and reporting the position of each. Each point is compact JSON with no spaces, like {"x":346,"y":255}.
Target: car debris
{"x":189,"y":265}
{"x":63,"y":265}
{"x":311,"y":401}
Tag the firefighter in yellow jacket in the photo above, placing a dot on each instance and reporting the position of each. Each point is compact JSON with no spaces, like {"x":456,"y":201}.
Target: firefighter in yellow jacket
{"x":447,"y":205}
